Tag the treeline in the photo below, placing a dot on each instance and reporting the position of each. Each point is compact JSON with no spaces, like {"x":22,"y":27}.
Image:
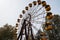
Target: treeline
{"x":53,"y":34}
{"x":7,"y":31}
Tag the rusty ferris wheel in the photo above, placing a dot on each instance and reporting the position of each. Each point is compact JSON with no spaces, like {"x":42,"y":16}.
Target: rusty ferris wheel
{"x":34,"y":16}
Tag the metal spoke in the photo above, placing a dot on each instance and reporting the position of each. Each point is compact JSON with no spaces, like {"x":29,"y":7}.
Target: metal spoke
{"x":37,"y":11}
{"x":34,"y":9}
{"x":38,"y":22}
{"x":38,"y":14}
{"x":39,"y":18}
{"x":34,"y":27}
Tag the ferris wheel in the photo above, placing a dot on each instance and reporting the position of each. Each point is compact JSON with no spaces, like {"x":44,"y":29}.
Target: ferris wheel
{"x":32,"y":18}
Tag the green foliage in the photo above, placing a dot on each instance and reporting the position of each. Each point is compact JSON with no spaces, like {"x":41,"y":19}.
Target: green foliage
{"x":55,"y":35}
{"x":6,"y":32}
{"x":38,"y":36}
{"x":56,"y":31}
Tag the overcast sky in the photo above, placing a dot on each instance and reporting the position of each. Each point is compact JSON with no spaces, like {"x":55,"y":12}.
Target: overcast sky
{"x":10,"y":9}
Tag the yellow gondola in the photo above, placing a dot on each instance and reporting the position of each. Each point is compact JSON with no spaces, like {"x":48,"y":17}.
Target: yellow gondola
{"x":26,"y":8}
{"x":39,"y":2}
{"x":49,"y":27}
{"x":20,"y":16}
{"x":30,"y":5}
{"x":43,"y":3}
{"x":49,"y":15}
{"x":47,"y":7}
{"x":43,"y":38}
{"x":23,"y":11}
{"x":34,"y":2}
{"x":42,"y":34}
{"x":16,"y":24}
{"x":18,"y":20}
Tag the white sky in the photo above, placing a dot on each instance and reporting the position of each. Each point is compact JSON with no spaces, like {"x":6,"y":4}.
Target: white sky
{"x":10,"y":9}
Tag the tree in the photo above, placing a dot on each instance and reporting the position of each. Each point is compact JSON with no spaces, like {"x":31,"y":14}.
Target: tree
{"x":55,"y":35}
{"x":38,"y":36}
{"x":6,"y":32}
